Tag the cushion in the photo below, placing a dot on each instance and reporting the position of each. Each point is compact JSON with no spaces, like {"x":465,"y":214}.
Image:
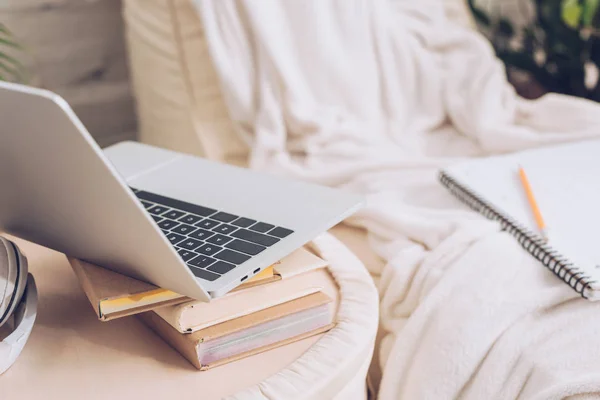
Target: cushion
{"x":179,"y":101}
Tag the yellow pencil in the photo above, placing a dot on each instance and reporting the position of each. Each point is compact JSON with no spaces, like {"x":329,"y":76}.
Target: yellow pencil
{"x":539,"y":220}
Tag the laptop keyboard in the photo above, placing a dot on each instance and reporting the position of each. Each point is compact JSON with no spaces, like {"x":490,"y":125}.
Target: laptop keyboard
{"x":211,"y":242}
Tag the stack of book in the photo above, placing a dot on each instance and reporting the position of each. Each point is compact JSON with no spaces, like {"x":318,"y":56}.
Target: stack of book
{"x":293,"y":299}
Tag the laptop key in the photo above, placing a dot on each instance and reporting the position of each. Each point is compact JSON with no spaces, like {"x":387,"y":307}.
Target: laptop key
{"x":190,"y":219}
{"x":147,"y":205}
{"x":204,"y":274}
{"x":190,"y":244}
{"x":280,"y":232}
{"x":186,"y":254}
{"x":224,"y":217}
{"x":255,"y":237}
{"x":167,"y":224}
{"x":158,"y":210}
{"x":201,"y":261}
{"x":201,"y":234}
{"x":225,"y":229}
{"x":243,"y":222}
{"x":184,"y":229}
{"x":209,"y":249}
{"x":219,"y":239}
{"x":174,"y":238}
{"x":245,"y":247}
{"x":178,"y":204}
{"x":232,"y":256}
{"x":173,"y":214}
{"x":221,"y":267}
{"x":156,"y":218}
{"x":207,"y":224}
{"x":262,"y":227}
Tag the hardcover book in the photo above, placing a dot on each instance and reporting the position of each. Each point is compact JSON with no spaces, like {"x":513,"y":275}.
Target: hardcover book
{"x":115,"y":295}
{"x":248,"y":335}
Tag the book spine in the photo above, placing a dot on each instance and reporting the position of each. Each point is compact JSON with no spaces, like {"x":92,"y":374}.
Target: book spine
{"x":530,"y":241}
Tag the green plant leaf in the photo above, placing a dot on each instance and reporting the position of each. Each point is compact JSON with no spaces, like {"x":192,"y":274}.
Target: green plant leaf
{"x":10,"y":43}
{"x":10,"y":67}
{"x":571,"y":13}
{"x":11,"y":60}
{"x":12,"y":72}
{"x":4,"y":70}
{"x":590,"y":9}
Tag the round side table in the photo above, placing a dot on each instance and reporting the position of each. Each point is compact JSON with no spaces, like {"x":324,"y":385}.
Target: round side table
{"x":72,"y":355}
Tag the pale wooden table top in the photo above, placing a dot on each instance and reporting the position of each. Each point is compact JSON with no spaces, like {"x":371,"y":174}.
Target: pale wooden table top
{"x":72,"y":355}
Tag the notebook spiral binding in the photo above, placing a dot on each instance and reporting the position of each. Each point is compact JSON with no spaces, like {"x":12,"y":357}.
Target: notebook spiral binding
{"x":532,"y":242}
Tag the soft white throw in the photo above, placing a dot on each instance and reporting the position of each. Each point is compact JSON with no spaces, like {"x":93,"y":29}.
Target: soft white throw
{"x":375,"y":96}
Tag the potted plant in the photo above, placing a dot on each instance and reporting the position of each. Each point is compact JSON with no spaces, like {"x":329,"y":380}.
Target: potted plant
{"x":546,"y":45}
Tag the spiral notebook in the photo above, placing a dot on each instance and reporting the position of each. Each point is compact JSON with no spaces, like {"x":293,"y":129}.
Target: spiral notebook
{"x":566,"y":183}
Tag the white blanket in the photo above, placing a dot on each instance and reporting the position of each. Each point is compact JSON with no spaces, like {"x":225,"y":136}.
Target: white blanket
{"x":375,"y":96}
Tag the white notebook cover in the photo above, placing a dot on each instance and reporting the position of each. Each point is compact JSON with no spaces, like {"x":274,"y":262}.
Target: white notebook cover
{"x":565,"y":180}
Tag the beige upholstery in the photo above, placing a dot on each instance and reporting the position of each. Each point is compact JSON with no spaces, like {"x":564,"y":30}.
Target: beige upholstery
{"x":179,"y":102}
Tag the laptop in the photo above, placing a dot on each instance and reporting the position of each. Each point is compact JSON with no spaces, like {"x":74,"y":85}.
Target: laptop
{"x":194,"y":226}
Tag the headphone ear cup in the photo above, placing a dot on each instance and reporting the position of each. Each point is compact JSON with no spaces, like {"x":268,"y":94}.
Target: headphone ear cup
{"x":15,"y":301}
{"x":8,"y":279}
{"x":15,"y":278}
{"x":24,"y":317}
{"x":23,"y":271}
